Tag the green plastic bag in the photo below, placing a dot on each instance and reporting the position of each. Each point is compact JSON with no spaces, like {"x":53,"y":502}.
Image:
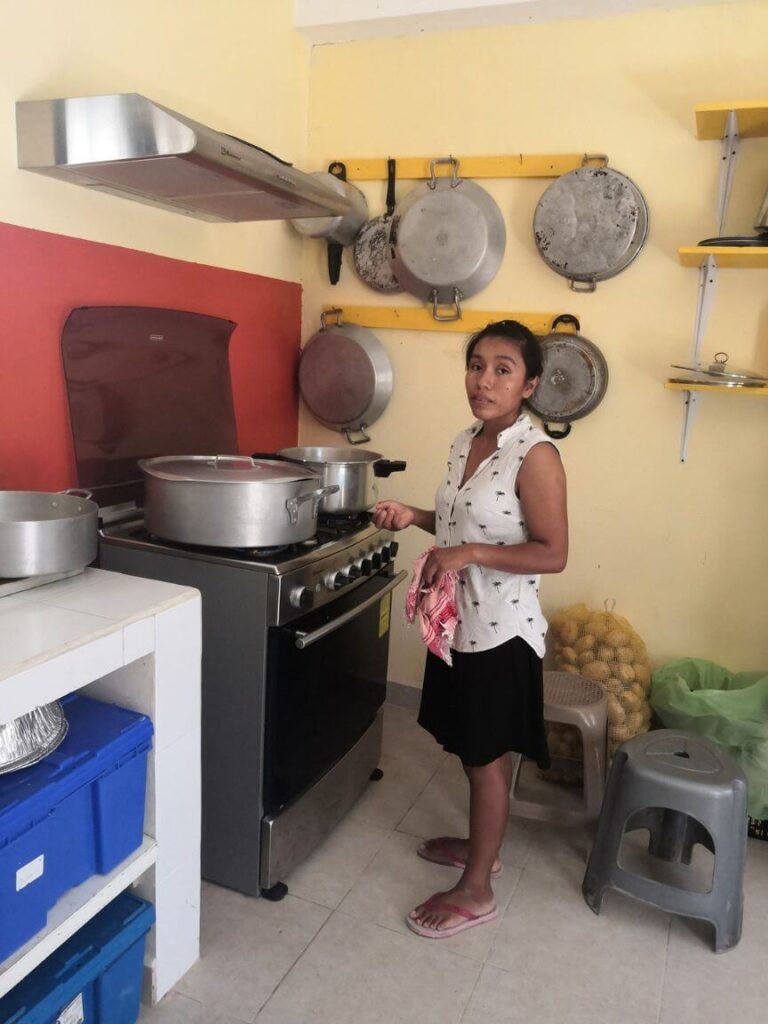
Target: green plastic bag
{"x":730,"y":708}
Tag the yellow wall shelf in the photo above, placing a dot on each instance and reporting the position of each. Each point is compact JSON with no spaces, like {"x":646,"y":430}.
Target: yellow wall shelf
{"x":514,"y":166}
{"x":745,"y":257}
{"x":413,"y":318}
{"x":675,"y":386}
{"x":751,"y":119}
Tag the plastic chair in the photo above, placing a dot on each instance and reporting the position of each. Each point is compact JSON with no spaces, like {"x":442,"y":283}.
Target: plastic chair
{"x":685,"y":790}
{"x":573,"y":700}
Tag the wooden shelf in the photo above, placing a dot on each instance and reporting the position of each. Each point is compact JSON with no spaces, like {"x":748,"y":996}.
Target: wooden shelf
{"x":73,"y":910}
{"x":751,"y":116}
{"x":415,"y":318}
{"x":514,"y":166}
{"x":746,"y":257}
{"x":722,"y":389}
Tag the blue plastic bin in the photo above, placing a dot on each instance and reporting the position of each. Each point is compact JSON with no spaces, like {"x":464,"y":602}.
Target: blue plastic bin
{"x":95,"y":977}
{"x":78,"y":812}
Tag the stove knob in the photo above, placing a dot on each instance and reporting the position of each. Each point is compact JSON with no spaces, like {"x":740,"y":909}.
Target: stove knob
{"x":376,"y":560}
{"x":301,"y":597}
{"x":393,"y":546}
{"x":384,"y":551}
{"x":335,"y":580}
{"x":366,"y":567}
{"x":352,"y":572}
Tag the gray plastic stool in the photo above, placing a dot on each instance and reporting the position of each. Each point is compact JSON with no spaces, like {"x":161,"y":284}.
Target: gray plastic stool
{"x":685,"y":790}
{"x":576,"y":701}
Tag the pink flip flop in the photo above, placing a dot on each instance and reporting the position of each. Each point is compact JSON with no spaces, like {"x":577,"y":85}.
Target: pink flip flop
{"x":431,"y":850}
{"x":470,"y":920}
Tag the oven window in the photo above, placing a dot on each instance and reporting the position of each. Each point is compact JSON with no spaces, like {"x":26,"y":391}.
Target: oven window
{"x":320,"y":700}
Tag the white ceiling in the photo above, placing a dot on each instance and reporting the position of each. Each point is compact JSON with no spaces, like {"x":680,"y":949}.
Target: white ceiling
{"x":334,"y":21}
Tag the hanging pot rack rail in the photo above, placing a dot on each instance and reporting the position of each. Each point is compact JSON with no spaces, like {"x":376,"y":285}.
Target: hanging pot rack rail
{"x":412,"y":318}
{"x":516,"y":165}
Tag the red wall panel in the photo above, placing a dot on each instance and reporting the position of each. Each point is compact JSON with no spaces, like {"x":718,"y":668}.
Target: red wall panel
{"x":43,"y":276}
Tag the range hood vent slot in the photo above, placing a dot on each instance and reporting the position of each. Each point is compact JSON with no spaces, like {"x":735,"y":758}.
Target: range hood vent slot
{"x":129,"y":146}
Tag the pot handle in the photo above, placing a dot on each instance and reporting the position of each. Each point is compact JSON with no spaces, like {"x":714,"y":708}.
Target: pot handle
{"x":566,"y":318}
{"x":360,"y":430}
{"x":229,"y":458}
{"x":455,"y":179}
{"x":557,"y":435}
{"x":77,"y":492}
{"x":292,"y":504}
{"x":456,"y":311}
{"x":278,"y":458}
{"x":383,"y":467}
{"x":589,"y":286}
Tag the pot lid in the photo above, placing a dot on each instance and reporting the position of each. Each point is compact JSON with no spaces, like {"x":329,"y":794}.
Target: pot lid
{"x":573,"y":379}
{"x":720,"y":369}
{"x":233,"y":469}
{"x":591,"y":223}
{"x":330,"y":456}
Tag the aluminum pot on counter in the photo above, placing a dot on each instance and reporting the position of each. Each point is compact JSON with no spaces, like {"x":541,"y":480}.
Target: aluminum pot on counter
{"x":351,"y":472}
{"x":231,"y":501}
{"x":42,"y":533}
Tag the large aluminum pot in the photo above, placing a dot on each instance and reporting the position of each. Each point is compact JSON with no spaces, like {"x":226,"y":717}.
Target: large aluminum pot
{"x":351,"y":471}
{"x":230,"y":501}
{"x":43,"y":533}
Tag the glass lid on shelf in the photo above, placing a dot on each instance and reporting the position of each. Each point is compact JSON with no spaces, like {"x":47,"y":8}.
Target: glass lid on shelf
{"x":721,"y":371}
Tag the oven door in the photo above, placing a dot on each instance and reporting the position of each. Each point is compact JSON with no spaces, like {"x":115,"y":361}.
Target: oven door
{"x":326,"y":680}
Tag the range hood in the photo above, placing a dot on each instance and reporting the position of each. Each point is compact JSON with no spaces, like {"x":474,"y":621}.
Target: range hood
{"x":129,"y":146}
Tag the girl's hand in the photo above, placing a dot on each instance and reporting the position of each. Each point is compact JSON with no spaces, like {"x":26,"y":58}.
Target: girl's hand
{"x":393,"y":515}
{"x":443,"y":560}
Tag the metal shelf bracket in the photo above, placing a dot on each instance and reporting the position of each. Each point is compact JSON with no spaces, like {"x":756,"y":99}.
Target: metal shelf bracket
{"x":706,"y":293}
{"x":729,"y":149}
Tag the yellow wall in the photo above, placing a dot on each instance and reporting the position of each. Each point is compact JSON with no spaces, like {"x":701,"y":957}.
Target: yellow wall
{"x":681,"y":548}
{"x":238,"y":66}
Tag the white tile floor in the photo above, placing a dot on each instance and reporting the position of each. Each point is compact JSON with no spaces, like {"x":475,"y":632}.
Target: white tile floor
{"x":336,"y":949}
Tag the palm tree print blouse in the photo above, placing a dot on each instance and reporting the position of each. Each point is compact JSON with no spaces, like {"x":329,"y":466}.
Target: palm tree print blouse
{"x":493,"y":606}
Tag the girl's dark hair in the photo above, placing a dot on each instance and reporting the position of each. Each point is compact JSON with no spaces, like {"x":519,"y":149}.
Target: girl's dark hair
{"x":518,"y":334}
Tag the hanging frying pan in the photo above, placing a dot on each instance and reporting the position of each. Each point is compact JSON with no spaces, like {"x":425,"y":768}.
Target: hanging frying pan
{"x":590,"y":225}
{"x":447,"y":240}
{"x":371,"y":252}
{"x":573,"y":380}
{"x":345,"y":377}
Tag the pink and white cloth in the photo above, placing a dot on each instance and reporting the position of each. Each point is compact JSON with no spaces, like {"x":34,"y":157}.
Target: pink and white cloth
{"x":434,"y":607}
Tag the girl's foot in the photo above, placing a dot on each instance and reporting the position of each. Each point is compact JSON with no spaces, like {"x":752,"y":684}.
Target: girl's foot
{"x":452,"y":851}
{"x":451,"y":912}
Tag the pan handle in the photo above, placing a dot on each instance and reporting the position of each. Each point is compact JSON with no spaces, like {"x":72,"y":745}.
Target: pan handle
{"x":557,"y":435}
{"x":390,"y":187}
{"x":360,"y":430}
{"x":566,"y":318}
{"x":292,"y":504}
{"x":456,"y":311}
{"x":589,"y":286}
{"x":383,"y":467}
{"x":455,"y":179}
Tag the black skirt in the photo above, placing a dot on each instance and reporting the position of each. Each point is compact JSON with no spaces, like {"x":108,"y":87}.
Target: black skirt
{"x":487,"y":703}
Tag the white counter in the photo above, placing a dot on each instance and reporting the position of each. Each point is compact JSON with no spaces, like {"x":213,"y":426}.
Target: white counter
{"x":136,"y":643}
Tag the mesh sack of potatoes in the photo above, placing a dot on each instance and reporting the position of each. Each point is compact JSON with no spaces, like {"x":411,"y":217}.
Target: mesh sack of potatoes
{"x":603,"y":646}
{"x":567,"y":754}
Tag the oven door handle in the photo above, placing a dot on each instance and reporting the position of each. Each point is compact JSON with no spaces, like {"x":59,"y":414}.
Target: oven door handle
{"x":307,"y":639}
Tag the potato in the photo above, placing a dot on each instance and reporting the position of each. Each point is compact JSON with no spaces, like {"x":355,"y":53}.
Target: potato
{"x":597,"y":628}
{"x":597,"y":670}
{"x":579,"y":613}
{"x":625,"y":655}
{"x":616,"y":714}
{"x":605,"y":653}
{"x":568,"y":654}
{"x":624,"y":672}
{"x":642,"y":672}
{"x":584,"y":643}
{"x":570,"y":669}
{"x":630,"y":701}
{"x":614,"y":686}
{"x":569,"y":632}
{"x":618,"y":733}
{"x":585,"y":657}
{"x":617,"y":638}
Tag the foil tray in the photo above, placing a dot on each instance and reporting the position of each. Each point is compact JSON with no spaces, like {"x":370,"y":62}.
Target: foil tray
{"x":28,"y":739}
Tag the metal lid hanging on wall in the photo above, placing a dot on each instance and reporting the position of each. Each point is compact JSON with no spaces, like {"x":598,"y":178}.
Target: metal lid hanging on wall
{"x":573,"y":380}
{"x":345,"y":377}
{"x":590,"y":225}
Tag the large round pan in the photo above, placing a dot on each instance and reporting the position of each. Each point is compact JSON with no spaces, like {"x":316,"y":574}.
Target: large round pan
{"x":447,"y":240}
{"x":42,"y":533}
{"x":371,"y":251}
{"x":590,"y":225}
{"x":345,"y":377}
{"x":573,"y":380}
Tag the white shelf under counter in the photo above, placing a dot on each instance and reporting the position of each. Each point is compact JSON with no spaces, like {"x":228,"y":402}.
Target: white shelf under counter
{"x":136,"y":643}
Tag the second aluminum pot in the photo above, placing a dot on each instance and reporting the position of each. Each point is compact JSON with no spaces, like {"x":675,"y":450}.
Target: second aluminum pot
{"x":231,"y":501}
{"x":42,"y":533}
{"x":351,"y":472}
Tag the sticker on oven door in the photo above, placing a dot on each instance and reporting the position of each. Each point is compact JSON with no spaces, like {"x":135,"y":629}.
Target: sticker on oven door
{"x":384,"y":607}
{"x":74,"y":1013}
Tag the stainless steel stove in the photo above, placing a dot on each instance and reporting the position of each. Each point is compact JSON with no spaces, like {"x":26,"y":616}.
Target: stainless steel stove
{"x":295,"y":640}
